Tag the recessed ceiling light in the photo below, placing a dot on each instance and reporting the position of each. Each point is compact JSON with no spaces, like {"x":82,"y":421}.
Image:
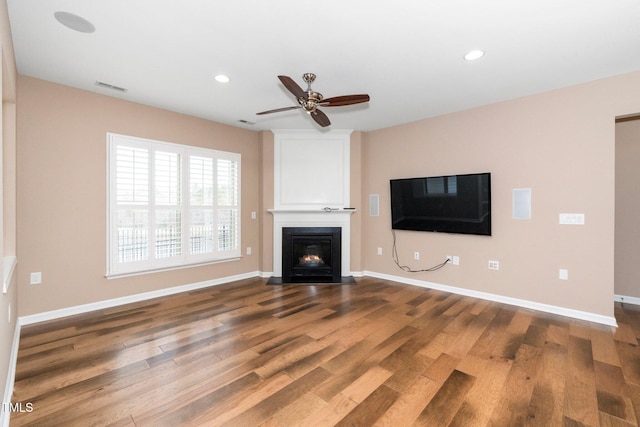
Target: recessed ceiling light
{"x":474,"y":54}
{"x":221,"y":78}
{"x":75,"y":22}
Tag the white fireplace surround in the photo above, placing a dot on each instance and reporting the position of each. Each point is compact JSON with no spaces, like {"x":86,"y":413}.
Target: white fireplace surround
{"x":311,"y":186}
{"x":306,"y":218}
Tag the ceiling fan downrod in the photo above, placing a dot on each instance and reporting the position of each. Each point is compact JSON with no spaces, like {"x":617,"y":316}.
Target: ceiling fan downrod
{"x":313,"y":98}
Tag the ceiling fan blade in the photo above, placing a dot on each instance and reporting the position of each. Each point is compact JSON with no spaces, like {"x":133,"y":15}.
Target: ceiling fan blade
{"x":320,"y":118}
{"x":293,"y":87}
{"x":337,"y":101}
{"x":277,"y":110}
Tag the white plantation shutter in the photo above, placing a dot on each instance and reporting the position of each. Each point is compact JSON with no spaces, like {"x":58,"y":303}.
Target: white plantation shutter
{"x":132,"y":204}
{"x":202,"y":187}
{"x":170,"y":205}
{"x":227,"y":205}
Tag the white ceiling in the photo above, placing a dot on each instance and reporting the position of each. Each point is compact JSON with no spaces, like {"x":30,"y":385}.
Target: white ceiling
{"x":406,"y":54}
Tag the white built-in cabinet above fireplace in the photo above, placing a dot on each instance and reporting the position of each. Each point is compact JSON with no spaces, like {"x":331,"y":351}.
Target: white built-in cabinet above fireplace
{"x":311,"y":169}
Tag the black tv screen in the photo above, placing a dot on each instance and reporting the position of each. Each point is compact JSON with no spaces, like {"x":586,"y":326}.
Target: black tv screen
{"x":448,"y":204}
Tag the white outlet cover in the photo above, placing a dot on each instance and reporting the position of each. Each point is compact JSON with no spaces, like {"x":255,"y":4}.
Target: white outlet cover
{"x":563,"y":274}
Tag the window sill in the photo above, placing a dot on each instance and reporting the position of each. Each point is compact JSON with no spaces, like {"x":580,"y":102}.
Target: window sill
{"x":177,"y":267}
{"x":9,"y":266}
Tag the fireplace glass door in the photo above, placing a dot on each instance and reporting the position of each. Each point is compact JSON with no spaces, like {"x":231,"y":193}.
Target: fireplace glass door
{"x":311,"y":254}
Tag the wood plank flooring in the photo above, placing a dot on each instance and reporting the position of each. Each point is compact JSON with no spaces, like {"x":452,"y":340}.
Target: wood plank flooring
{"x":374,"y":353}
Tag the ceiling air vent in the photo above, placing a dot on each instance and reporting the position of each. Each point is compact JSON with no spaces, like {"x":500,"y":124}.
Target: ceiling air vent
{"x":110,"y":86}
{"x":246,"y":122}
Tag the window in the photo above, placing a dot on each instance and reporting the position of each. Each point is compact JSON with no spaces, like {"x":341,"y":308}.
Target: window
{"x":170,"y":205}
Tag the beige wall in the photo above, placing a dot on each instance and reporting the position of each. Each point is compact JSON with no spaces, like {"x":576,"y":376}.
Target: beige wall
{"x":552,"y":142}
{"x":62,"y":193}
{"x":561,"y":144}
{"x":627,"y":244}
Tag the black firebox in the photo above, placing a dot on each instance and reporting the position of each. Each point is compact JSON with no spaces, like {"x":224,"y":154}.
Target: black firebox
{"x":311,"y":254}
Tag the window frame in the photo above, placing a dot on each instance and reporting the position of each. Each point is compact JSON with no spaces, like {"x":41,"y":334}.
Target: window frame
{"x":115,"y":268}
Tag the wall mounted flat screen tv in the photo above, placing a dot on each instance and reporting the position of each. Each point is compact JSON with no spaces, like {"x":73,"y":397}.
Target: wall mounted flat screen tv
{"x":448,"y":204}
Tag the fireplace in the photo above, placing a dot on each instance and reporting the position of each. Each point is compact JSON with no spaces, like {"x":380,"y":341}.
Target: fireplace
{"x":313,"y":219}
{"x":311,"y":254}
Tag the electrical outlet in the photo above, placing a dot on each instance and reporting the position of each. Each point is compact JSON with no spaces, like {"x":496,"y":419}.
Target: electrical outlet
{"x":416,"y":255}
{"x":379,"y":251}
{"x":494,"y":265}
{"x":449,"y":259}
{"x":456,"y":260}
{"x":563,"y":274}
{"x":249,"y":250}
{"x":36,"y":278}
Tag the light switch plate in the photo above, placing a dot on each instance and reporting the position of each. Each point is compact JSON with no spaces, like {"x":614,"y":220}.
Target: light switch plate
{"x":571,"y":218}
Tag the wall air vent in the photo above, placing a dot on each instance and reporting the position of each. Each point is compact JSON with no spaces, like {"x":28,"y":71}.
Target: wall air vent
{"x":110,"y":86}
{"x":246,"y":122}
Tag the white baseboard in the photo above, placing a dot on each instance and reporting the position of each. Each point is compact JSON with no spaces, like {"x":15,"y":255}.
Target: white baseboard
{"x":11,"y":376}
{"x":626,"y":299}
{"x":85,"y":308}
{"x":576,"y":314}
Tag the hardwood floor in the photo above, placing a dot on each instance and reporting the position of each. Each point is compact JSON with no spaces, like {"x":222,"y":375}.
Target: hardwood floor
{"x":374,"y":353}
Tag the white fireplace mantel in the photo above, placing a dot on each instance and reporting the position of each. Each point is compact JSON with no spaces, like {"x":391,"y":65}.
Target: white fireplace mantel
{"x":311,"y":218}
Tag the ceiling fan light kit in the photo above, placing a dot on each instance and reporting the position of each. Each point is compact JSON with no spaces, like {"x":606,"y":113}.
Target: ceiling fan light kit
{"x":310,"y":100}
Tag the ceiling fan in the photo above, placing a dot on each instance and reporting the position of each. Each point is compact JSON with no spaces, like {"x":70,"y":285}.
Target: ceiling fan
{"x":310,"y":100}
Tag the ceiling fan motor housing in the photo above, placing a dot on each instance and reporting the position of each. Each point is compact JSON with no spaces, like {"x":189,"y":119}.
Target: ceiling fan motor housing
{"x":311,"y":103}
